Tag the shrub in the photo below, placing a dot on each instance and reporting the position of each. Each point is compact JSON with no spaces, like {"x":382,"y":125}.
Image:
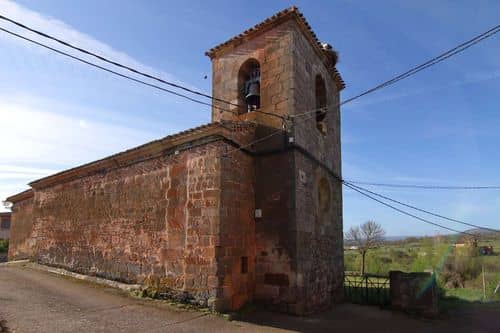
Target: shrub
{"x":4,"y":245}
{"x":460,"y":268}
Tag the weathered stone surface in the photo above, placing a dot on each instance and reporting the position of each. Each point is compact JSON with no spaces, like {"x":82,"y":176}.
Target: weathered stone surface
{"x":179,"y":214}
{"x":414,"y":292}
{"x":21,"y":242}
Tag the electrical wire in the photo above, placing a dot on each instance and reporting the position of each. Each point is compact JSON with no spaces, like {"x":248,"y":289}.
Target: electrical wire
{"x":133,"y":70}
{"x":252,"y":143}
{"x":453,"y":51}
{"x":406,"y":213}
{"x":422,"y":210}
{"x":412,"y":71}
{"x":114,"y":72}
{"x":428,"y":187}
{"x":102,"y":58}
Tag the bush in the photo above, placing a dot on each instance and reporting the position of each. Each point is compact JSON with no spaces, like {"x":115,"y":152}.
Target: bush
{"x":460,"y":268}
{"x":352,"y":261}
{"x":4,"y":245}
{"x":378,"y":264}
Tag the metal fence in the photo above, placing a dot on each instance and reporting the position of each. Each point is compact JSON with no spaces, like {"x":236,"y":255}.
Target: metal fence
{"x":367,"y":289}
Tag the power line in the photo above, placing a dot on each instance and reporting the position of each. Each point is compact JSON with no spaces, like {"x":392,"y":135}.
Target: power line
{"x":422,"y":210}
{"x":150,"y":85}
{"x":114,"y":72}
{"x":429,"y":63}
{"x":133,"y":70}
{"x":100,"y":57}
{"x":252,"y":143}
{"x":406,"y":213}
{"x":428,"y":187}
{"x":453,"y":51}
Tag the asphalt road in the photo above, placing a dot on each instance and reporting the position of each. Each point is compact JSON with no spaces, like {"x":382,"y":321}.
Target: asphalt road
{"x":38,"y":301}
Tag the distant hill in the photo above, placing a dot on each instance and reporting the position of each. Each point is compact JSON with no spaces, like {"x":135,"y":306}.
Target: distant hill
{"x":477,"y":231}
{"x":396,"y":238}
{"x":482,"y":234}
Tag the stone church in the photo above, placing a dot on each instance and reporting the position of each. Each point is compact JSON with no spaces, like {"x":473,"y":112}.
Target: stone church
{"x":247,"y":208}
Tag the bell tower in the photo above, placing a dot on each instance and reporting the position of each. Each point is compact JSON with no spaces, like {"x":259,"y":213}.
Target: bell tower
{"x":278,"y":75}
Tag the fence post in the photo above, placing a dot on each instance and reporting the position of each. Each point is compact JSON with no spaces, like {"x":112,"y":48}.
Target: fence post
{"x":484,"y":287}
{"x":366,"y":290}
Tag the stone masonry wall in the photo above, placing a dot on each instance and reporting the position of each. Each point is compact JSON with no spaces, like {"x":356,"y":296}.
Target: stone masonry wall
{"x":275,"y":232}
{"x":319,"y":236}
{"x":318,"y":194}
{"x":306,"y":65}
{"x":21,"y":242}
{"x":272,"y":50}
{"x":414,"y":292}
{"x":236,"y":254}
{"x":151,"y":222}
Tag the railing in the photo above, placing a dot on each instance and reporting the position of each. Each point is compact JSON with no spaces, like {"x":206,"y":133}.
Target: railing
{"x":367,"y":289}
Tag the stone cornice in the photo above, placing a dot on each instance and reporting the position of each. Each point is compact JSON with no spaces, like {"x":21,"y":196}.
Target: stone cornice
{"x":146,"y":151}
{"x":20,"y":196}
{"x":268,"y":24}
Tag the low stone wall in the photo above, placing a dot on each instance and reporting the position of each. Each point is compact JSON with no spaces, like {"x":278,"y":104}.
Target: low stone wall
{"x":414,"y":292}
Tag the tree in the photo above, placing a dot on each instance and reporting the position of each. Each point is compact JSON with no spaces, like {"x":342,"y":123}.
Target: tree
{"x":367,"y":236}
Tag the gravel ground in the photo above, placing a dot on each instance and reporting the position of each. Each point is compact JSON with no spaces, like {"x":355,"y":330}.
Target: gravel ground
{"x":38,"y":301}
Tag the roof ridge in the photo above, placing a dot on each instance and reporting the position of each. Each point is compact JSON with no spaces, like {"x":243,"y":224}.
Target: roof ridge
{"x":293,"y":10}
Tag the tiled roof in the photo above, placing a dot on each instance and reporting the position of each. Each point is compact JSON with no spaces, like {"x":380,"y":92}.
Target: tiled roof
{"x":292,"y":12}
{"x":136,"y":154}
{"x":20,"y":196}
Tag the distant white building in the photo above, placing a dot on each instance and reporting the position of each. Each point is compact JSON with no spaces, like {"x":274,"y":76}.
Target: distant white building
{"x":4,"y":225}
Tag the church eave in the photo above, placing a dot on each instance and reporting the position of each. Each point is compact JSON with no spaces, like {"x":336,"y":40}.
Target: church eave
{"x":137,"y":154}
{"x":269,"y":23}
{"x":20,"y":196}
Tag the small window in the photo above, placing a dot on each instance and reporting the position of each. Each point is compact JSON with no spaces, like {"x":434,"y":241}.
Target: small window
{"x":249,"y":86}
{"x":321,"y":104}
{"x":5,"y":224}
{"x":244,"y":265}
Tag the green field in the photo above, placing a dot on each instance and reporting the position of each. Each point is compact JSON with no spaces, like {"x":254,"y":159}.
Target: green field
{"x":459,"y":270}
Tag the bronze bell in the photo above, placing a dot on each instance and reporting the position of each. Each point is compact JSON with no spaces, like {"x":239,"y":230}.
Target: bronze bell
{"x":252,"y":97}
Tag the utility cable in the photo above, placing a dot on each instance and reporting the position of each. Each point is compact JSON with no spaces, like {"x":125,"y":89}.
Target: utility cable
{"x":114,"y":72}
{"x":427,"y":187}
{"x":422,"y":210}
{"x":453,"y":51}
{"x":407,"y":213}
{"x":102,"y":58}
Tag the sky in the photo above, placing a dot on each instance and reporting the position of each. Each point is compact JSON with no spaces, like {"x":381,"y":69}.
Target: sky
{"x":438,"y":127}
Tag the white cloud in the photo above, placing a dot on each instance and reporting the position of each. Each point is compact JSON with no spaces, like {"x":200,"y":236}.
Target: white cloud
{"x":38,"y":137}
{"x":67,"y":33}
{"x":43,"y":136}
{"x":13,"y":169}
{"x":33,"y":139}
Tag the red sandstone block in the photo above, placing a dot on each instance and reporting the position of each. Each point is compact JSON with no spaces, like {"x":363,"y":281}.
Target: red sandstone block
{"x":205,"y":241}
{"x":213,"y":281}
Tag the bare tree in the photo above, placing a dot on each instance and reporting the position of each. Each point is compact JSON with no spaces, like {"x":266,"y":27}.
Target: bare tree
{"x":367,"y":236}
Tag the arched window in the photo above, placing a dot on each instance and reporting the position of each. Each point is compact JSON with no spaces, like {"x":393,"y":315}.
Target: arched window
{"x":249,"y":86}
{"x":321,"y":104}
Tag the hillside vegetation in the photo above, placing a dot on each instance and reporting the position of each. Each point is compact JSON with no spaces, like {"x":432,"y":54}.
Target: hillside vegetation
{"x":459,"y":269}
